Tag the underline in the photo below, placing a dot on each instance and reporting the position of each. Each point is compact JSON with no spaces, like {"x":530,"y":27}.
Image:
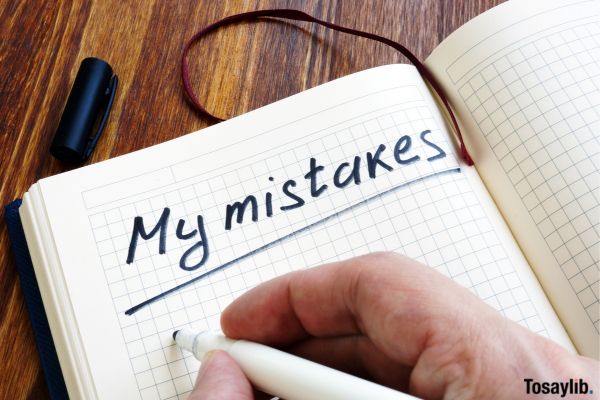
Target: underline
{"x":266,"y":246}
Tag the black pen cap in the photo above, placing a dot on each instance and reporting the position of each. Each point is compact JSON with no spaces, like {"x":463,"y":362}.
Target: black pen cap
{"x":93,"y":91}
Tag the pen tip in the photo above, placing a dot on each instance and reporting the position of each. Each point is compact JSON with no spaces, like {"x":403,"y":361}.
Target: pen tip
{"x":174,"y":334}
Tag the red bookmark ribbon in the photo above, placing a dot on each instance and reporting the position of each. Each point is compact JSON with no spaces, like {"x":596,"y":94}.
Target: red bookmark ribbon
{"x":301,"y":16}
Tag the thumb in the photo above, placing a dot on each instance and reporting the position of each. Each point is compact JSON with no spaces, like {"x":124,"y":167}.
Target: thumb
{"x":220,"y":378}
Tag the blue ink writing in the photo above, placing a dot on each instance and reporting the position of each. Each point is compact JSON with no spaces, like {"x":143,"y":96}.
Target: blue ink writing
{"x":139,"y":230}
{"x":282,"y":239}
{"x":312,"y":176}
{"x":239,"y":209}
{"x":161,"y":226}
{"x":441,"y":153}
{"x":344,"y":174}
{"x":403,"y":146}
{"x":299,"y":201}
{"x":374,"y":160}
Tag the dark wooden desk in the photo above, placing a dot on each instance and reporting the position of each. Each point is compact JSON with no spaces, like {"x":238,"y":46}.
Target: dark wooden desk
{"x":235,"y":70}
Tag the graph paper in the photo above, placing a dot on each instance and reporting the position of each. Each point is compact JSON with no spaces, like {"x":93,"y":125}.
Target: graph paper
{"x":438,"y":221}
{"x":524,"y":80}
{"x":539,"y":109}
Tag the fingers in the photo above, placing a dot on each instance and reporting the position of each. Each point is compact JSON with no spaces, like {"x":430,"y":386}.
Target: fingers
{"x":398,"y":303}
{"x":221,"y":378}
{"x":355,"y":355}
{"x":293,"y":307}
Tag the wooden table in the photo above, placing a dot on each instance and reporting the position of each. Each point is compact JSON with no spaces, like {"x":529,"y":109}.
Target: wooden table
{"x":235,"y":70}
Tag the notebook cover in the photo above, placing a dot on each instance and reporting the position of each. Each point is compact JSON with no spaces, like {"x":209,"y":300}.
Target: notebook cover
{"x":33,"y":300}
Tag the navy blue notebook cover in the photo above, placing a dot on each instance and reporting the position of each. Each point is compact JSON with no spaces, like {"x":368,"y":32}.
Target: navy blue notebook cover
{"x":35,"y":307}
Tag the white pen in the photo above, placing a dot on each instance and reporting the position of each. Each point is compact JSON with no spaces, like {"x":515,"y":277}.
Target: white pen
{"x":284,"y":375}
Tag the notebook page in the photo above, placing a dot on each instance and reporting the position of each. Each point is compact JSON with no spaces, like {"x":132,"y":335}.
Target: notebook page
{"x":525,"y":79}
{"x":432,"y":208}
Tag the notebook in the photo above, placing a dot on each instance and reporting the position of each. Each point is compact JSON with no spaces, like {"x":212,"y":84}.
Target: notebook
{"x":127,"y":250}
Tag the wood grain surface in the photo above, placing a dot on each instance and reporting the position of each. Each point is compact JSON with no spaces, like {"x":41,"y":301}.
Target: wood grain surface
{"x":234,"y":70}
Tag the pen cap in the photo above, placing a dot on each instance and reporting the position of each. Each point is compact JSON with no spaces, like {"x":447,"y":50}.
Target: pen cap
{"x":92,"y":91}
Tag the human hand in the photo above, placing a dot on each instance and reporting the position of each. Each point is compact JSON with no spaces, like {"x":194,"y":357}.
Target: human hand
{"x":392,"y":320}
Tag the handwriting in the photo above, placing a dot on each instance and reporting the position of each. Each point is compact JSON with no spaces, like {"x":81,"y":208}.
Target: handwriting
{"x":237,"y":210}
{"x":161,"y":226}
{"x":275,"y":242}
{"x":344,"y":174}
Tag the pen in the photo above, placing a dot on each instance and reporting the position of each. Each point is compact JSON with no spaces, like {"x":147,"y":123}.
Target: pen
{"x":284,"y":375}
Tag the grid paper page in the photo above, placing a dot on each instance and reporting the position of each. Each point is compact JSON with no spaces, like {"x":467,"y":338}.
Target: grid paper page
{"x":539,"y":109}
{"x":438,"y":221}
{"x":523,"y":78}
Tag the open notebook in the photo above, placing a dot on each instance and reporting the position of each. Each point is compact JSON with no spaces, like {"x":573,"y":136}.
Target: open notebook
{"x":245,"y":200}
